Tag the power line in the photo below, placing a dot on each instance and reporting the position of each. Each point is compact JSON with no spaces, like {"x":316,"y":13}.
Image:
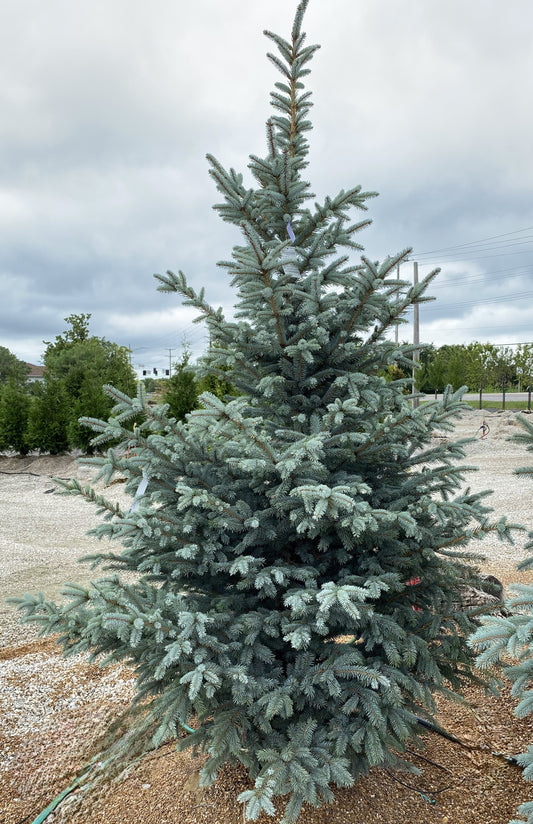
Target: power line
{"x":494,"y":299}
{"x":493,"y":247}
{"x":473,"y":242}
{"x":463,"y":258}
{"x":189,"y":333}
{"x":492,"y":326}
{"x":189,"y":329}
{"x":478,"y":277}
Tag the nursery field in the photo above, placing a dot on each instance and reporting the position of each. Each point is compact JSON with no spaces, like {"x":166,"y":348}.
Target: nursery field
{"x":53,"y":711}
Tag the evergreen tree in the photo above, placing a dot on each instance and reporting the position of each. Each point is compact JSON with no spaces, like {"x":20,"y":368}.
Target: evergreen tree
{"x":90,"y":398}
{"x":509,"y":639}
{"x":180,"y":391}
{"x":11,"y":368}
{"x":298,"y":549}
{"x":14,"y":409}
{"x":48,"y":419}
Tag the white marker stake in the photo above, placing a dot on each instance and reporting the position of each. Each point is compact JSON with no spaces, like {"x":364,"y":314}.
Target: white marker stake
{"x":141,"y":489}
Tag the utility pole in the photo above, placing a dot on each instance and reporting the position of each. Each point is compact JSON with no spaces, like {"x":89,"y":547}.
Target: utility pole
{"x":416,"y":335}
{"x":170,"y":362}
{"x":396,"y":325}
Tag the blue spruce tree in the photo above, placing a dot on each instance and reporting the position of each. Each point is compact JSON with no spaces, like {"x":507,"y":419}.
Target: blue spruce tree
{"x":295,"y":554}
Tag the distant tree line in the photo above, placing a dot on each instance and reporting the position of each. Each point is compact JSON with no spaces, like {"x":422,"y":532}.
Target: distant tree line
{"x":477,"y":366}
{"x":45,"y":416}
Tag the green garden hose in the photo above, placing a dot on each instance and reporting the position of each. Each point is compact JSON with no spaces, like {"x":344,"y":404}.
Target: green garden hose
{"x":55,"y":803}
{"x":63,"y":794}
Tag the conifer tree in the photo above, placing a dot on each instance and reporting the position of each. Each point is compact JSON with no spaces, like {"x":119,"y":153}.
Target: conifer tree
{"x":14,"y":408}
{"x":180,"y":391}
{"x":298,"y":549}
{"x":12,"y":369}
{"x":48,"y":418}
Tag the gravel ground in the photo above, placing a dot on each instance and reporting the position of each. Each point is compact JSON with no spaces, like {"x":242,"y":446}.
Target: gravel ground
{"x":65,"y":703}
{"x":496,"y":459}
{"x":42,"y":535}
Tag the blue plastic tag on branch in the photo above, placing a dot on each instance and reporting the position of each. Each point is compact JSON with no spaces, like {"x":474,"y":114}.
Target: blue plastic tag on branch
{"x":288,"y":256}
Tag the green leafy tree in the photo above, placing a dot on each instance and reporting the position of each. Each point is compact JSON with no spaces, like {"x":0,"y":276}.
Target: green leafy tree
{"x":456,"y":365}
{"x":11,"y":368}
{"x":298,"y":550}
{"x":504,"y":367}
{"x":509,"y":639}
{"x":524,"y":364}
{"x":153,"y":384}
{"x":14,"y":409}
{"x":441,"y":367}
{"x":78,"y":332}
{"x":84,"y":363}
{"x":476,"y":365}
{"x":426,"y":379}
{"x":480,"y":361}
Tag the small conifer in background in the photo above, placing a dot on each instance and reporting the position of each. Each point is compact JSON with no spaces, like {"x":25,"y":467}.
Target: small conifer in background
{"x":295,"y":553}
{"x":180,"y":391}
{"x":14,"y":409}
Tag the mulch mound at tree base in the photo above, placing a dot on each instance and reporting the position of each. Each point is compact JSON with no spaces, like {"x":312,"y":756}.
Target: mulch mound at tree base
{"x":458,"y":784}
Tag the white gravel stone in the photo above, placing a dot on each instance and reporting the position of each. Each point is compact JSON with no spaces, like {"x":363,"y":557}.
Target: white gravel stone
{"x":37,"y":687}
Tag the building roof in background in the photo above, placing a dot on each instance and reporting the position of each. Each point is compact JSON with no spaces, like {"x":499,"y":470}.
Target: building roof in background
{"x":36,"y":373}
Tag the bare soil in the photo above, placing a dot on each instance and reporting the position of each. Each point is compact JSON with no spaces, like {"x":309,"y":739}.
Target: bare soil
{"x":54,"y":711}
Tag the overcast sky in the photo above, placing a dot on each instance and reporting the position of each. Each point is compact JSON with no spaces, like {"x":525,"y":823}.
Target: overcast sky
{"x":108,"y":108}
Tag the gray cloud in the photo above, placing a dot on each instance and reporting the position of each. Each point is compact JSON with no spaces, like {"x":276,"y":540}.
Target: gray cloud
{"x":109,"y":109}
